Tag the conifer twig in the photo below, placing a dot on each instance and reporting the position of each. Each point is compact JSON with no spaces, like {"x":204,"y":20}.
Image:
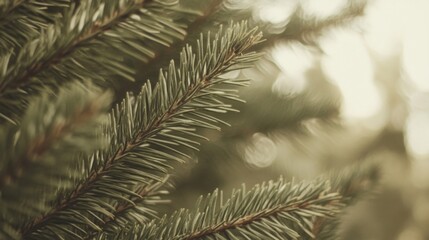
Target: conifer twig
{"x":48,"y":140}
{"x":273,"y":210}
{"x":86,"y":44}
{"x":21,"y":20}
{"x":181,"y":101}
{"x":8,"y":9}
{"x":96,"y":29}
{"x":38,"y":146}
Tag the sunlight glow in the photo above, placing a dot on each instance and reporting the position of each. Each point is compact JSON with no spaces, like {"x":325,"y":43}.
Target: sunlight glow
{"x":348,"y":65}
{"x":276,"y":12}
{"x":416,"y":45}
{"x":294,"y":60}
{"x":322,"y":8}
{"x":411,"y":232}
{"x":417,"y":127}
{"x":383,"y":26}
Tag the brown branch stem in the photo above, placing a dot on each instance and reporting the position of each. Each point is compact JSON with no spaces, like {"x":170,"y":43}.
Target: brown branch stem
{"x":248,"y":219}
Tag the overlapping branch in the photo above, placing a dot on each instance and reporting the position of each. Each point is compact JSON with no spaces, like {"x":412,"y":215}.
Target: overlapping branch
{"x":273,"y":210}
{"x":21,"y":20}
{"x":86,"y":44}
{"x":37,"y":158}
{"x":146,"y":133}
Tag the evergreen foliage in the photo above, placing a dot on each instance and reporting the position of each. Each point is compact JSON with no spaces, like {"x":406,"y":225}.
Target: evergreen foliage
{"x":85,"y":44}
{"x":273,"y":210}
{"x":74,"y":167}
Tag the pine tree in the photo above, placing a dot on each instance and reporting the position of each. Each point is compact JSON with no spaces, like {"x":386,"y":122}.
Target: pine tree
{"x":82,"y":159}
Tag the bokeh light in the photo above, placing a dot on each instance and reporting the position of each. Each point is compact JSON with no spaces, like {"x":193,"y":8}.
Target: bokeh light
{"x":416,"y":48}
{"x":261,"y":151}
{"x":417,"y":126}
{"x":322,"y":8}
{"x":347,"y":63}
{"x":294,"y":60}
{"x":277,"y":12}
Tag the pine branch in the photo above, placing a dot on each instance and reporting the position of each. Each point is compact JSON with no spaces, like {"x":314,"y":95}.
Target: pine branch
{"x":194,"y":28}
{"x":135,"y":211}
{"x":21,"y":20}
{"x":146,"y":131}
{"x":308,"y":30}
{"x":86,"y":45}
{"x":353,"y":183}
{"x":8,"y":232}
{"x":164,"y":55}
{"x":6,"y":7}
{"x":347,"y":183}
{"x":300,"y":26}
{"x":276,"y":210}
{"x":38,"y":160}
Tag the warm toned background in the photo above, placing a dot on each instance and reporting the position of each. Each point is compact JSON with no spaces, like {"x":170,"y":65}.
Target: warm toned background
{"x":342,"y":83}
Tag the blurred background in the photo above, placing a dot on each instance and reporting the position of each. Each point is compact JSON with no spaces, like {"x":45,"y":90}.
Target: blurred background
{"x":343,"y":83}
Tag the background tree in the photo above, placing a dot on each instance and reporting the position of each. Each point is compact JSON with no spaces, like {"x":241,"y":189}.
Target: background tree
{"x":90,"y":148}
